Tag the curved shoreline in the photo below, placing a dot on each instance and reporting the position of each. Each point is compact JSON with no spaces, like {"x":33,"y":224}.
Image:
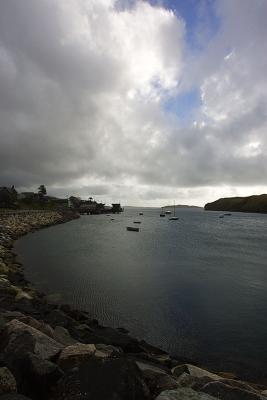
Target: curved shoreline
{"x":19,"y":300}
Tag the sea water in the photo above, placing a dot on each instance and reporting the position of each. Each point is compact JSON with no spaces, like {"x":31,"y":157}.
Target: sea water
{"x":196,"y":287}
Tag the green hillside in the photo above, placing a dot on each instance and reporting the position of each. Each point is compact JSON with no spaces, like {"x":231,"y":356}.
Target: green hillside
{"x":244,"y":204}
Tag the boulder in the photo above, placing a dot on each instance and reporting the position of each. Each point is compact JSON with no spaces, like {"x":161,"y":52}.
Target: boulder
{"x":14,"y":396}
{"x":75,"y":354}
{"x":38,"y":377}
{"x":57,"y":317}
{"x":186,"y":380}
{"x":7,"y":381}
{"x":107,"y":351}
{"x":184,"y":394}
{"x":194,"y":371}
{"x":113,"y":337}
{"x":158,"y":381}
{"x":227,"y":392}
{"x":39,"y":325}
{"x":19,"y":338}
{"x":109,"y":379}
{"x":23,"y":295}
{"x":62,"y":335}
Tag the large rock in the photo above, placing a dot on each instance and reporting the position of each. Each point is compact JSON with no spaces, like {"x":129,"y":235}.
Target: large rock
{"x":58,"y":317}
{"x":194,"y":371}
{"x":38,"y":377}
{"x":107,"y":351}
{"x":7,"y":381}
{"x":14,"y":396}
{"x":62,"y":335}
{"x":107,"y":379}
{"x":19,"y":338}
{"x":227,"y":392}
{"x":184,"y":394}
{"x":39,"y":325}
{"x":158,"y":381}
{"x":75,"y":354}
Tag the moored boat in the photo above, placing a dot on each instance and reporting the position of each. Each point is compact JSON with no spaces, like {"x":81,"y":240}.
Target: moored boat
{"x":132,"y":229}
{"x":174,"y":218}
{"x":162,"y":214}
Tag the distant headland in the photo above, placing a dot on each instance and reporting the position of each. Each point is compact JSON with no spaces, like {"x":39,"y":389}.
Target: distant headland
{"x":253,"y":204}
{"x":181,"y":206}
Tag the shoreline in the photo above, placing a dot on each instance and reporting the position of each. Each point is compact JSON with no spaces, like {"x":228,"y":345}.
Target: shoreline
{"x":146,"y":371}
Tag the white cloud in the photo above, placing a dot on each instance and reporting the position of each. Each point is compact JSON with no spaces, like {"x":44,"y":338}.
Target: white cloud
{"x":82,"y":91}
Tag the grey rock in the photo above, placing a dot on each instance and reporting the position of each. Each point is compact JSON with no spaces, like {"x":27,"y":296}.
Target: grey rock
{"x":75,"y":354}
{"x":57,"y":317}
{"x":227,"y":392}
{"x":14,"y":396}
{"x":194,"y":371}
{"x":158,"y":381}
{"x":184,"y":394}
{"x":39,"y":325}
{"x":107,"y":351}
{"x":107,"y":379}
{"x":38,"y":376}
{"x":62,"y":335}
{"x":187,"y":380}
{"x":19,"y":338}
{"x":7,"y":381}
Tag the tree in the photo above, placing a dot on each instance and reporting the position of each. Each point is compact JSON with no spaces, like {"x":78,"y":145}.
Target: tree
{"x":42,"y":190}
{"x":75,"y":202}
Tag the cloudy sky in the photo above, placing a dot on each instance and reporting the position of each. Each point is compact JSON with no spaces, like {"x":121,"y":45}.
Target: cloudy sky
{"x":141,"y":102}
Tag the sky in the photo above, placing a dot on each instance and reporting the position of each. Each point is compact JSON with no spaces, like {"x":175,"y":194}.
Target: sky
{"x":142,"y":102}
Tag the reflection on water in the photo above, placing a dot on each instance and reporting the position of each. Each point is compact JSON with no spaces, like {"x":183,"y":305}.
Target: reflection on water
{"x":196,"y":287}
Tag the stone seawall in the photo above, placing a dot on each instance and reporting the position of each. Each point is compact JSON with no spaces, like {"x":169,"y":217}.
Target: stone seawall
{"x":50,"y":351}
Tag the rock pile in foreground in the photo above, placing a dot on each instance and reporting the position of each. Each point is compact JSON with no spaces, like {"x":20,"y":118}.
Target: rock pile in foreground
{"x":50,"y":351}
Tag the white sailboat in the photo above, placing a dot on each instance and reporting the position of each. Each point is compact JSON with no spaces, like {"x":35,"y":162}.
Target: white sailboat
{"x":162,"y":214}
{"x":174,"y":218}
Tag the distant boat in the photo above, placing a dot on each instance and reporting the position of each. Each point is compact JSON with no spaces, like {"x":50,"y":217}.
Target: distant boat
{"x":174,"y":218}
{"x":228,"y":214}
{"x":162,"y":214}
{"x":137,"y":222}
{"x":140,"y":213}
{"x":132,"y":228}
{"x":221,"y":216}
{"x":168,"y":212}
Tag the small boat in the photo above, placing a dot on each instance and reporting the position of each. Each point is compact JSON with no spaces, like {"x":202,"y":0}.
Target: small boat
{"x":132,"y":229}
{"x":228,"y":214}
{"x":221,"y":216}
{"x":111,"y":219}
{"x":140,"y":213}
{"x":168,"y":212}
{"x":137,"y":222}
{"x":174,"y":218}
{"x":162,"y":214}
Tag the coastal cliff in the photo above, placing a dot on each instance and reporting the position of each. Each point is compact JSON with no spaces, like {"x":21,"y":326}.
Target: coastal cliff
{"x":256,"y":204}
{"x":50,"y":351}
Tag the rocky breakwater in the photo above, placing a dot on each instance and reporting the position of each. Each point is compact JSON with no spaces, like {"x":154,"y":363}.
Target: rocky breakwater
{"x":50,"y":351}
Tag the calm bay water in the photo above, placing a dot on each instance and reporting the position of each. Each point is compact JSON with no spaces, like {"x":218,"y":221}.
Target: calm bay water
{"x":196,"y":287}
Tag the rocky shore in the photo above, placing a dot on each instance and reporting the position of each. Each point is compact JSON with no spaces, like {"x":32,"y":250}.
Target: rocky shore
{"x":50,"y":351}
